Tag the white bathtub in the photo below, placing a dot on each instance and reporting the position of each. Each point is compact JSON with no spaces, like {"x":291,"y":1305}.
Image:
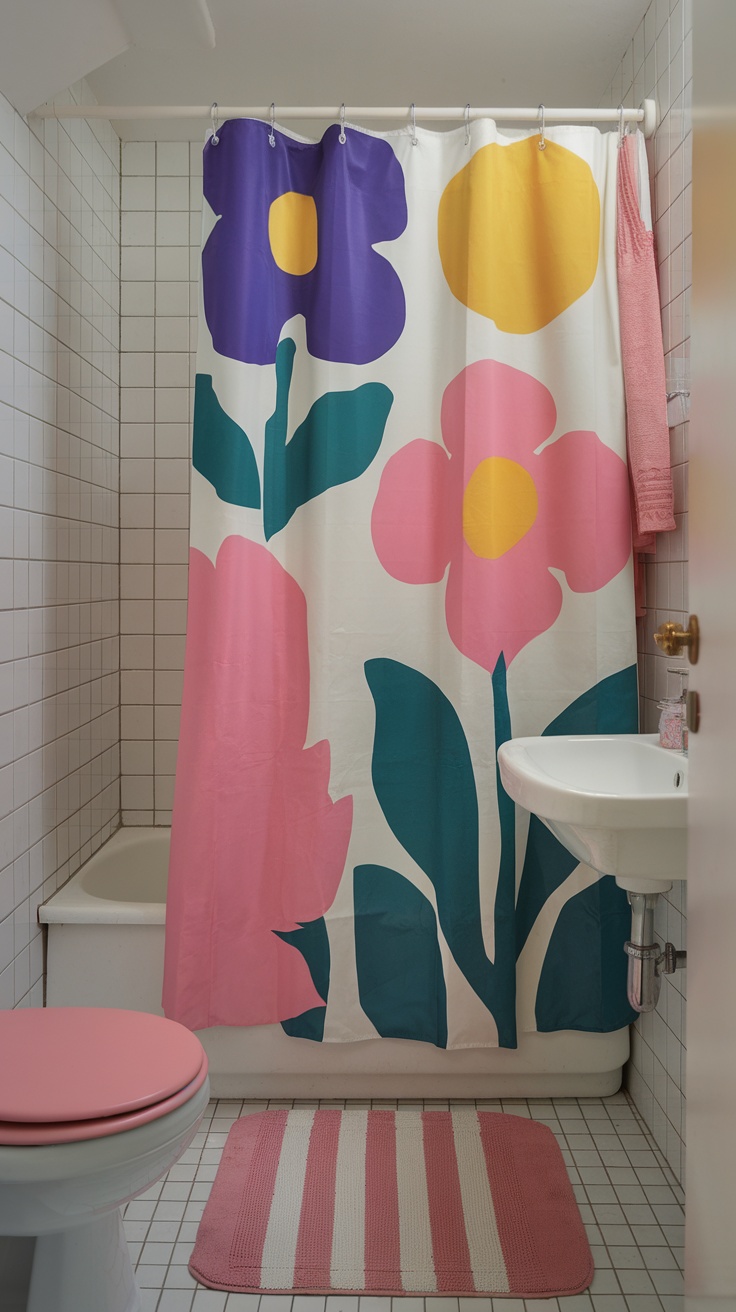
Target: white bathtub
{"x":106,"y":949}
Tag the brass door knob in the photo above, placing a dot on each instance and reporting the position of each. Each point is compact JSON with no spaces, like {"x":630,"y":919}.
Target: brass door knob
{"x":672,"y":639}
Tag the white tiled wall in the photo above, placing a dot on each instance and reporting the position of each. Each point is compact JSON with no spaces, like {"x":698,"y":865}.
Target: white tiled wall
{"x":160,"y":239}
{"x":658,"y":63}
{"x":59,"y":755}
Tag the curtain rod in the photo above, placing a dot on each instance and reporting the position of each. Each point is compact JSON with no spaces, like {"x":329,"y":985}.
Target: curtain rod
{"x":646,"y":115}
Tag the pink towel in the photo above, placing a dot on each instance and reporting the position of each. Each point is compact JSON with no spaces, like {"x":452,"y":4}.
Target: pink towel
{"x":643,"y":364}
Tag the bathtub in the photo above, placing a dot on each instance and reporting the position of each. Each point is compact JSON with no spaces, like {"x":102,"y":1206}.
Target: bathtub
{"x":106,"y":949}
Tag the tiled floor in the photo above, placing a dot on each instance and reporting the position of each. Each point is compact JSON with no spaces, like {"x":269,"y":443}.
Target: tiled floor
{"x":630,"y":1202}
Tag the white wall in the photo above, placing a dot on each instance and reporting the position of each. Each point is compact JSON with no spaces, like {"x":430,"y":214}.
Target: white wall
{"x":59,"y":758}
{"x":658,"y":63}
{"x":161,"y":224}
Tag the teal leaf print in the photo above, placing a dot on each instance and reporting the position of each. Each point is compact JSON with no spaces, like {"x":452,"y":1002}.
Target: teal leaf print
{"x":583,"y":981}
{"x":401,"y":982}
{"x":424,"y":782}
{"x":221,"y":450}
{"x":312,"y":941}
{"x":547,"y":864}
{"x":611,"y":706}
{"x":334,"y":444}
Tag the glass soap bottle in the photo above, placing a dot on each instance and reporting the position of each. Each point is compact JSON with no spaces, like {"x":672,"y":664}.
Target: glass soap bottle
{"x":672,"y":721}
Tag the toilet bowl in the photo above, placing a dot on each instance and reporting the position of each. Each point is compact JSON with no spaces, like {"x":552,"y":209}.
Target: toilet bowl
{"x":95,"y":1105}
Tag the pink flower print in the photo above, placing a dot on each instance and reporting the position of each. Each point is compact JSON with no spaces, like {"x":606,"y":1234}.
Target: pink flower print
{"x":258,"y":846}
{"x":501,"y":512}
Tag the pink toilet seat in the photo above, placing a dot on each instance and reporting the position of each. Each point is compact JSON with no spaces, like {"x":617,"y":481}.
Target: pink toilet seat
{"x":16,"y":1134}
{"x":73,"y":1073}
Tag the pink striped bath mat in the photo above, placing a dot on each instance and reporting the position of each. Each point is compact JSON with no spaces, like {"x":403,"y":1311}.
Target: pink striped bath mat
{"x":385,"y":1202}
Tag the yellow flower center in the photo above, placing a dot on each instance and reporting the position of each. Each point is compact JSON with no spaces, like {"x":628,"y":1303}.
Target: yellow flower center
{"x":499,"y":507}
{"x":292,"y":232}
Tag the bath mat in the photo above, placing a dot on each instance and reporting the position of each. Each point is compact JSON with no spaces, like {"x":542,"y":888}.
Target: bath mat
{"x":392,"y":1202}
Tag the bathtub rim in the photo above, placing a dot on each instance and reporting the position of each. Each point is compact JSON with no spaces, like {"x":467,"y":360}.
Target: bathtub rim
{"x":72,"y":904}
{"x":262,"y":1061}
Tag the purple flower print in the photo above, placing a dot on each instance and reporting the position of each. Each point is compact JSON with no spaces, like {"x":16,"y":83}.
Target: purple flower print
{"x":295,"y":233}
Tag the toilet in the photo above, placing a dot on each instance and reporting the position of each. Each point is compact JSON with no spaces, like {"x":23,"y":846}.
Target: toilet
{"x":95,"y":1105}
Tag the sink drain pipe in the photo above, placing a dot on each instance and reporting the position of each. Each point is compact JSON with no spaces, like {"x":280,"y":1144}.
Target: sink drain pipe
{"x":648,"y":961}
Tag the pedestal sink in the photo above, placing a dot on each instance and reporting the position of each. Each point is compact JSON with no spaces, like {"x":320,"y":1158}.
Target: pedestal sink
{"x":617,"y":802}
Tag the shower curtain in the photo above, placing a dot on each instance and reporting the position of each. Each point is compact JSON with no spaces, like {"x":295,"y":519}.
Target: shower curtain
{"x":410,"y":539}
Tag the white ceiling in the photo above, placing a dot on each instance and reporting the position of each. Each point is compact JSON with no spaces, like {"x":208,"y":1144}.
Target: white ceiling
{"x":47,"y":45}
{"x":364,"y":52}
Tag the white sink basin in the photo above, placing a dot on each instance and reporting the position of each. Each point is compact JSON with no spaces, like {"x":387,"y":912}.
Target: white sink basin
{"x":618,"y":802}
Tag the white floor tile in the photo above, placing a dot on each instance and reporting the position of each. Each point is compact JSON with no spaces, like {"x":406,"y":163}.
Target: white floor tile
{"x":626,"y":1259}
{"x":635,"y":1282}
{"x":209,"y":1300}
{"x":150,"y":1277}
{"x":182,"y":1252}
{"x":639,"y":1214}
{"x":667,"y":1282}
{"x":605,"y":1282}
{"x":648,"y":1236}
{"x":136,"y":1230}
{"x":163,"y":1231}
{"x":138,"y":1211}
{"x":175,"y":1300}
{"x":659,"y":1259}
{"x":157,"y":1254}
{"x":601,"y":1193}
{"x":178,"y":1277}
{"x":167,"y":1210}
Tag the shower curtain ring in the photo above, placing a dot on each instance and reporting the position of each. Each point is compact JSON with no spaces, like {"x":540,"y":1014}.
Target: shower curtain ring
{"x":271,"y":137}
{"x":213,"y":114}
{"x":542,"y":143}
{"x":467,"y":124}
{"x":413,"y":113}
{"x":621,"y":126}
{"x":342,"y":138}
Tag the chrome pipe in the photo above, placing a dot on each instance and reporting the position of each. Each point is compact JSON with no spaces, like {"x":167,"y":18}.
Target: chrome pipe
{"x":645,"y":954}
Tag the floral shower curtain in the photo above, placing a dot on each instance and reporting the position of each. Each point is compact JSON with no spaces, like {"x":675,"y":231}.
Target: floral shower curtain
{"x":410,"y":539}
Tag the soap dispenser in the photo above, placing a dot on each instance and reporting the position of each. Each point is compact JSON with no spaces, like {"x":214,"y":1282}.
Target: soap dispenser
{"x":672,"y":720}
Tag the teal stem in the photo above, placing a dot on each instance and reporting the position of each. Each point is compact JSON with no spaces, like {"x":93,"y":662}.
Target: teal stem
{"x":275,"y":437}
{"x":504,"y":912}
